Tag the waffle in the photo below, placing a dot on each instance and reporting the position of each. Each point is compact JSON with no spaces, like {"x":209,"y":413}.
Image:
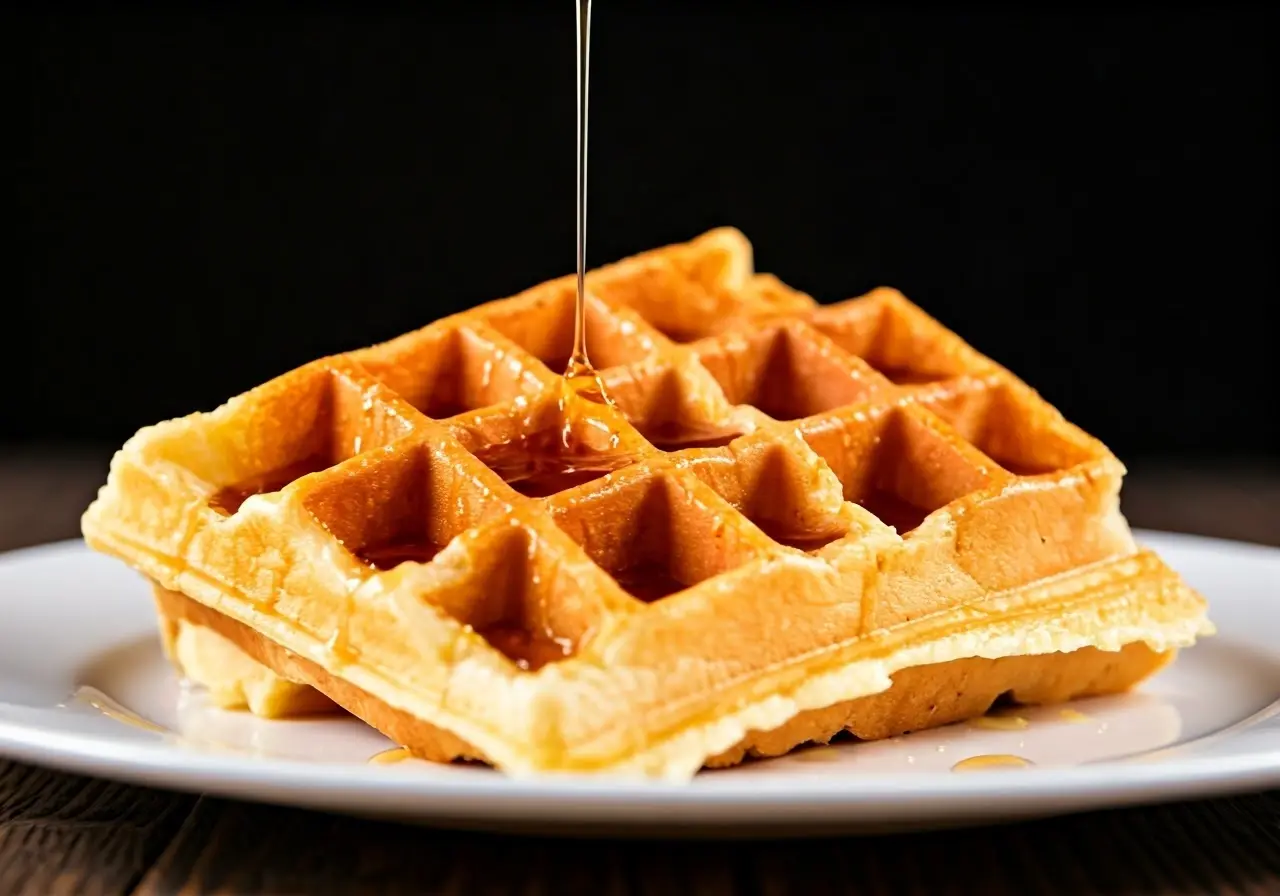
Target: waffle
{"x":793,"y":520}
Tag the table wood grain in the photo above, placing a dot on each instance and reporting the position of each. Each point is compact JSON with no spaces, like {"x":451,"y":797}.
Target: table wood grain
{"x":66,"y":834}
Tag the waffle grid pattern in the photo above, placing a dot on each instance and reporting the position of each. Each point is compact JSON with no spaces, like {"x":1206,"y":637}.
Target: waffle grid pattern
{"x":758,"y":442}
{"x":869,"y":401}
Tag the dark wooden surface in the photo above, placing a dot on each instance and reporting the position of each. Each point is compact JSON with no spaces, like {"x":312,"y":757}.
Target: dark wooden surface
{"x":62,"y":833}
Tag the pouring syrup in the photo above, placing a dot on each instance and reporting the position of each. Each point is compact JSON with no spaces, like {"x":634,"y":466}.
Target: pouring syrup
{"x":579,"y":373}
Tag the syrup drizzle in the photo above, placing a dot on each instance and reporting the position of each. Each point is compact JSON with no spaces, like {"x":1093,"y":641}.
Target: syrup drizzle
{"x":557,"y":461}
{"x":579,"y":371}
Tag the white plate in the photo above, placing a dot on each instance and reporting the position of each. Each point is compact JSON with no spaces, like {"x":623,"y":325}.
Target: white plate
{"x":77,"y":632}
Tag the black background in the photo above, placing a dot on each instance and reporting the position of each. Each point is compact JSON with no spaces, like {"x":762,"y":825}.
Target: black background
{"x":208,"y":198}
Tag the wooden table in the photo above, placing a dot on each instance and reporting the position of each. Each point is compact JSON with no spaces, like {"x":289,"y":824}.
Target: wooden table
{"x":62,"y":833}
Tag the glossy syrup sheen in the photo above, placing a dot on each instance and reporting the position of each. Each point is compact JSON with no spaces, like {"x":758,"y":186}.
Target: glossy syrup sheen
{"x":550,"y":463}
{"x":583,"y":379}
{"x":541,"y":479}
{"x":390,"y":757}
{"x":819,"y":754}
{"x":113,"y":710}
{"x":990,"y":761}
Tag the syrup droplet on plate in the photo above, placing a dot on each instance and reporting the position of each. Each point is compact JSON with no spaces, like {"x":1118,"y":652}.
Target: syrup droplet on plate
{"x":1074,"y":716}
{"x":390,"y":757}
{"x":115,"y":711}
{"x":999,"y":723}
{"x":819,"y":754}
{"x":990,"y":761}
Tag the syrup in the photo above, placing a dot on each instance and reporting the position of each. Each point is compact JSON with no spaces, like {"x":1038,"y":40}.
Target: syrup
{"x":542,"y":481}
{"x":527,"y":650}
{"x":819,"y":754}
{"x":390,"y":757}
{"x":115,"y":711}
{"x":1073,"y":716}
{"x":339,"y":644}
{"x":583,"y":379}
{"x":228,"y":500}
{"x":550,"y":462}
{"x":581,"y":375}
{"x":536,"y":474}
{"x":390,"y":555}
{"x":999,"y":723}
{"x":990,"y":761}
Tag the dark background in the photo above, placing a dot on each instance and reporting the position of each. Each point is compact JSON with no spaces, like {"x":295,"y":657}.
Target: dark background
{"x":207,"y":198}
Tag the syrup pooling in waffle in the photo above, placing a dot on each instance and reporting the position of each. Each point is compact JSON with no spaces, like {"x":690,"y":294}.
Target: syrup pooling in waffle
{"x":550,"y":444}
{"x":783,"y":507}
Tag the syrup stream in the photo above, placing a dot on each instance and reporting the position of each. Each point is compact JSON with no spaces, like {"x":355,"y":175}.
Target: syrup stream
{"x":579,"y":365}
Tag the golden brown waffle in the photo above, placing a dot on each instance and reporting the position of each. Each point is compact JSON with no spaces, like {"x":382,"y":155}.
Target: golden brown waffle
{"x":789,"y":506}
